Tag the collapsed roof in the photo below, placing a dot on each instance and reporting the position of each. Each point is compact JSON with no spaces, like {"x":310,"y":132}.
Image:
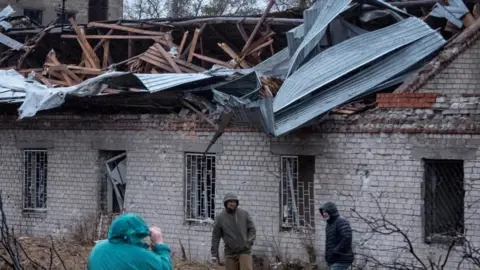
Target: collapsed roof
{"x":287,"y":73}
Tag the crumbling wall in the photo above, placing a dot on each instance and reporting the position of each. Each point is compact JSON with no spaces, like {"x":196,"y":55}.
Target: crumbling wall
{"x":460,"y":76}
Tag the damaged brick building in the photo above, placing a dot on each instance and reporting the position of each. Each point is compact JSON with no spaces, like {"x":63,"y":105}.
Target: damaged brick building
{"x":45,"y":11}
{"x":408,"y":159}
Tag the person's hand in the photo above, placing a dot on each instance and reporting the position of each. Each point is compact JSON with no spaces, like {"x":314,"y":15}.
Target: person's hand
{"x":156,"y":236}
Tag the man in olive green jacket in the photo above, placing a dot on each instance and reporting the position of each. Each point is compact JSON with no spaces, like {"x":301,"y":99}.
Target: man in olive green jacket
{"x":236,"y":228}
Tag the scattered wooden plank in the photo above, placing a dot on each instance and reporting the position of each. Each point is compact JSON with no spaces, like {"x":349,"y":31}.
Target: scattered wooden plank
{"x":182,"y":44}
{"x":257,"y":27}
{"x":53,"y":57}
{"x":476,"y":11}
{"x":130,"y":47}
{"x":212,"y":60}
{"x":156,"y":62}
{"x":27,"y":71}
{"x":82,"y":40}
{"x":42,"y":79}
{"x":193,"y":45}
{"x":94,"y":72}
{"x":115,"y":37}
{"x":202,"y":115}
{"x":257,"y":43}
{"x":233,"y":55}
{"x":106,"y":52}
{"x":268,"y":43}
{"x":190,"y":66}
{"x":125,"y":28}
{"x":159,"y":58}
{"x":187,"y":49}
{"x":79,"y":70}
{"x":167,"y":57}
{"x":30,"y":46}
{"x":468,"y":20}
{"x":57,"y":82}
{"x":242,"y":31}
{"x":59,"y":67}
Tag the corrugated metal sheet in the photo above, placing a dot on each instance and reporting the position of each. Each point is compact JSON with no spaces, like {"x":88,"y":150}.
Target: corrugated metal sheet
{"x":7,"y":41}
{"x":346,"y":57}
{"x":383,"y":4}
{"x":158,"y":82}
{"x":276,"y":66}
{"x":259,"y":112}
{"x":242,"y":86}
{"x":362,"y":82}
{"x":5,"y":13}
{"x":39,"y":97}
{"x":454,"y":12}
{"x":316,"y":20}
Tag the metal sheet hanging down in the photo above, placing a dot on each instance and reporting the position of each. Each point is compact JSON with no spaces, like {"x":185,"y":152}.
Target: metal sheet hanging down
{"x":276,"y":66}
{"x":454,"y":12}
{"x":346,"y":57}
{"x":325,"y":12}
{"x":360,"y":83}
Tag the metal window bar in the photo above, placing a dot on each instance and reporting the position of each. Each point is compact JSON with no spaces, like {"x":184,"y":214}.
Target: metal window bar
{"x":297,"y":202}
{"x":444,"y":199}
{"x":199,"y":186}
{"x":35,"y":179}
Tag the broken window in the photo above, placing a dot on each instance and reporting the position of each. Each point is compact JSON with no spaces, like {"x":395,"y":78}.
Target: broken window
{"x":113,"y":183}
{"x":65,"y":16}
{"x":199,"y":187}
{"x":297,"y":203}
{"x":444,"y":200}
{"x":35,"y":180}
{"x":35,"y":15}
{"x":97,"y":10}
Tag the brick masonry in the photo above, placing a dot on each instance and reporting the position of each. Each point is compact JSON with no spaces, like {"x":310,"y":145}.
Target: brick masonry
{"x":376,"y":153}
{"x":246,"y":165}
{"x":406,"y":100}
{"x":51,"y":7}
{"x":460,"y":77}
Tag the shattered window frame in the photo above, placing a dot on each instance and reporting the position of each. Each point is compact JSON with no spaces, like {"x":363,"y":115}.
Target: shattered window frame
{"x":200,"y":176}
{"x":305,"y":204}
{"x":37,"y":14}
{"x":35,"y":180}
{"x":444,"y":200}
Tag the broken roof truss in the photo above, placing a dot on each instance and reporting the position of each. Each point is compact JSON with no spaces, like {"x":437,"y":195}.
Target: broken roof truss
{"x":277,"y":83}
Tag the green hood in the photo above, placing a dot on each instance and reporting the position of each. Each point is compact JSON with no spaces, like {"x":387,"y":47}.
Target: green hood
{"x":129,"y":229}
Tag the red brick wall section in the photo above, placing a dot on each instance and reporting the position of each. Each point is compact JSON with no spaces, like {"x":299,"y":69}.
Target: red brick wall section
{"x":406,"y":100}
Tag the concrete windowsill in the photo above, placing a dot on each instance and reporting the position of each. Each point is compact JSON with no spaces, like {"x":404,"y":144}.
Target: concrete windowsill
{"x":40,"y":213}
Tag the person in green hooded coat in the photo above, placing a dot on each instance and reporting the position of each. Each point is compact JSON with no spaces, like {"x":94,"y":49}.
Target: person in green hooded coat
{"x":126,"y":247}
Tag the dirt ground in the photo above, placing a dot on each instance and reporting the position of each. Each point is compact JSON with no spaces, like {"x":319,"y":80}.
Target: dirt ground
{"x":73,"y":255}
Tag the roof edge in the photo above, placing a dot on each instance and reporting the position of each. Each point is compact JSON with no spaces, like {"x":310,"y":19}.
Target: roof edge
{"x":449,"y":53}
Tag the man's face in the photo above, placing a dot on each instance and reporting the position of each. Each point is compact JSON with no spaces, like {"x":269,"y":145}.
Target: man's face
{"x":325,"y":215}
{"x":232,"y":205}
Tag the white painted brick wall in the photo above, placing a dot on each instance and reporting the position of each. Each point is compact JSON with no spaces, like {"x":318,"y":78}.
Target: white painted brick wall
{"x":247,"y":167}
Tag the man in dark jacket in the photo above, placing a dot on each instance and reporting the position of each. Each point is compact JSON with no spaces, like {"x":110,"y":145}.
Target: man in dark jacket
{"x":338,"y":245}
{"x":236,"y":228}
